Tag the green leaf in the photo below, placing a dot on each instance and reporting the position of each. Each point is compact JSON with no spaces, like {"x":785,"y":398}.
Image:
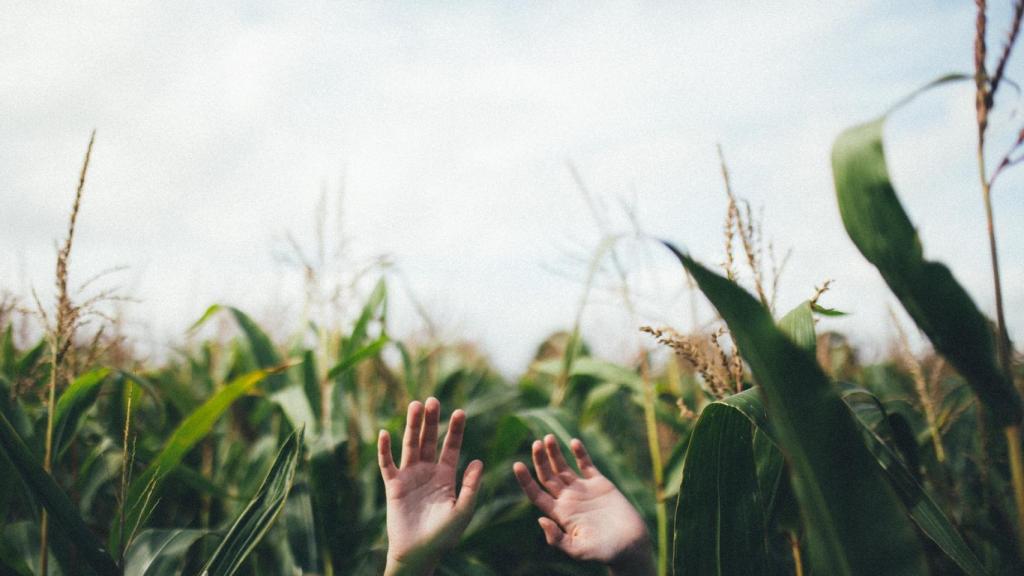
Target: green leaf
{"x":296,"y":408}
{"x":142,"y":491}
{"x":941,"y":308}
{"x":160,"y":552}
{"x":311,"y":385}
{"x":855,"y":523}
{"x":374,"y":304}
{"x":357,"y":356}
{"x":930,"y":519}
{"x":261,"y":346}
{"x":73,"y":404}
{"x":798,"y":324}
{"x":64,"y":513}
{"x":720,"y":519}
{"x":258,"y":516}
{"x":8,"y":355}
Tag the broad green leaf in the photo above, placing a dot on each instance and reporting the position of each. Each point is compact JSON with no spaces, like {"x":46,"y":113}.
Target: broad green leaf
{"x":720,"y":519}
{"x":854,"y":521}
{"x":160,"y":552}
{"x":923,"y":510}
{"x":258,"y":516}
{"x":63,"y":512}
{"x":930,"y":519}
{"x":73,"y":404}
{"x":143,"y":490}
{"x":941,"y":308}
{"x":798,"y":324}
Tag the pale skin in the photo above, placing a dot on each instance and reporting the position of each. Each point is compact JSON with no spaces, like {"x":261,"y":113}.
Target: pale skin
{"x":425,"y":516}
{"x":585,"y":515}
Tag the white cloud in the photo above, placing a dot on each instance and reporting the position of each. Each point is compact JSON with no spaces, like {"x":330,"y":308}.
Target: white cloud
{"x":452,"y":125}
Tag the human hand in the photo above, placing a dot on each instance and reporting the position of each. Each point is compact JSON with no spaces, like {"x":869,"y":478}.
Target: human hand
{"x":424,"y":515}
{"x":585,"y":517}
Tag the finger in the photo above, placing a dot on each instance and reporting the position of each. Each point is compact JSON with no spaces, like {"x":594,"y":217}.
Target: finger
{"x":545,"y":473}
{"x":384,"y":459}
{"x":453,"y":439}
{"x":411,"y":440}
{"x":586,"y":465}
{"x":553,"y":534}
{"x":470,"y":487}
{"x":541,"y":499}
{"x":428,"y":436}
{"x":558,"y":463}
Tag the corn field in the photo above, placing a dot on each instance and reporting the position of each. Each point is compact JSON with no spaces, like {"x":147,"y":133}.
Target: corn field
{"x":758,"y":445}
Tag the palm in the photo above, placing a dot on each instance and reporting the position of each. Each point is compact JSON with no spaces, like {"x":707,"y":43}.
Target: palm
{"x":424,"y":514}
{"x":585,"y":510}
{"x":421,"y":502}
{"x":585,"y":516}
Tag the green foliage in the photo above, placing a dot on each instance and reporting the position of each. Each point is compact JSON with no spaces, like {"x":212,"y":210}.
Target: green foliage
{"x":720,"y":519}
{"x":878,"y":225}
{"x":854,"y":521}
{"x":252,"y":524}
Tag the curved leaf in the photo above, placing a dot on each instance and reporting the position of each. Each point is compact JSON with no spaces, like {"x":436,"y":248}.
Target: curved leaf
{"x":798,"y":324}
{"x":159,"y":552}
{"x":141,"y":492}
{"x":72,"y":405}
{"x":261,"y":346}
{"x":854,"y":521}
{"x":64,"y":513}
{"x":720,"y":519}
{"x":930,"y":519}
{"x":259,"y":514}
{"x":942,"y":309}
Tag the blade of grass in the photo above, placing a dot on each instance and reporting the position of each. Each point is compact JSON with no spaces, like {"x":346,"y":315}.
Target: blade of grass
{"x":55,"y":501}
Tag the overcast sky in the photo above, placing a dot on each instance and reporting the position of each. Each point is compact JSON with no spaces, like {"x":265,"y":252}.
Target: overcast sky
{"x":450,"y":127}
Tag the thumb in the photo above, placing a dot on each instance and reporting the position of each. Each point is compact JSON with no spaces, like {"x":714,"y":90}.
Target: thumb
{"x":470,"y":486}
{"x":553,"y":534}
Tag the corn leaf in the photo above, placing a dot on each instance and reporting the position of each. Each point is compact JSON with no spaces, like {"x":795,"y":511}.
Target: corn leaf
{"x":63,"y":512}
{"x":73,"y":404}
{"x":143,"y":489}
{"x":798,"y":324}
{"x":160,"y":552}
{"x":941,"y":308}
{"x":854,"y":521}
{"x":720,"y":519}
{"x":259,"y":515}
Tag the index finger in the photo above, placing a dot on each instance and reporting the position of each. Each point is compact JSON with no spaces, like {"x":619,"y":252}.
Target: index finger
{"x":541,"y":499}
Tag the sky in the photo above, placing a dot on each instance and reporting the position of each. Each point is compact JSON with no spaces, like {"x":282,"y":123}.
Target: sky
{"x":446,"y":132}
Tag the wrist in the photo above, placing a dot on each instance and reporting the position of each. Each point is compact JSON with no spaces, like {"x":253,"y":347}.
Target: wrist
{"x":398,"y":565}
{"x":637,"y":559}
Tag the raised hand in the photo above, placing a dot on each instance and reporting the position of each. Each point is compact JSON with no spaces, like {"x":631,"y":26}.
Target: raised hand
{"x":585,"y":517}
{"x":424,"y":514}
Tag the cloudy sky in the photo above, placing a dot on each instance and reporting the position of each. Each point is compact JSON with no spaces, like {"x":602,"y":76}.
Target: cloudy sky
{"x":451,"y":126}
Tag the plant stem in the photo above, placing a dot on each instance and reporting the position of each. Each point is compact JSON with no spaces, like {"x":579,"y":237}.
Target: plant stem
{"x":794,"y":547}
{"x":1017,"y":472}
{"x":1002,"y":336}
{"x":650,"y":419}
{"x":51,"y":402}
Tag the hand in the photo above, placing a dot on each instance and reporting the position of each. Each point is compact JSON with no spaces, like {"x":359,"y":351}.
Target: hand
{"x":587,"y":518}
{"x":424,"y":515}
